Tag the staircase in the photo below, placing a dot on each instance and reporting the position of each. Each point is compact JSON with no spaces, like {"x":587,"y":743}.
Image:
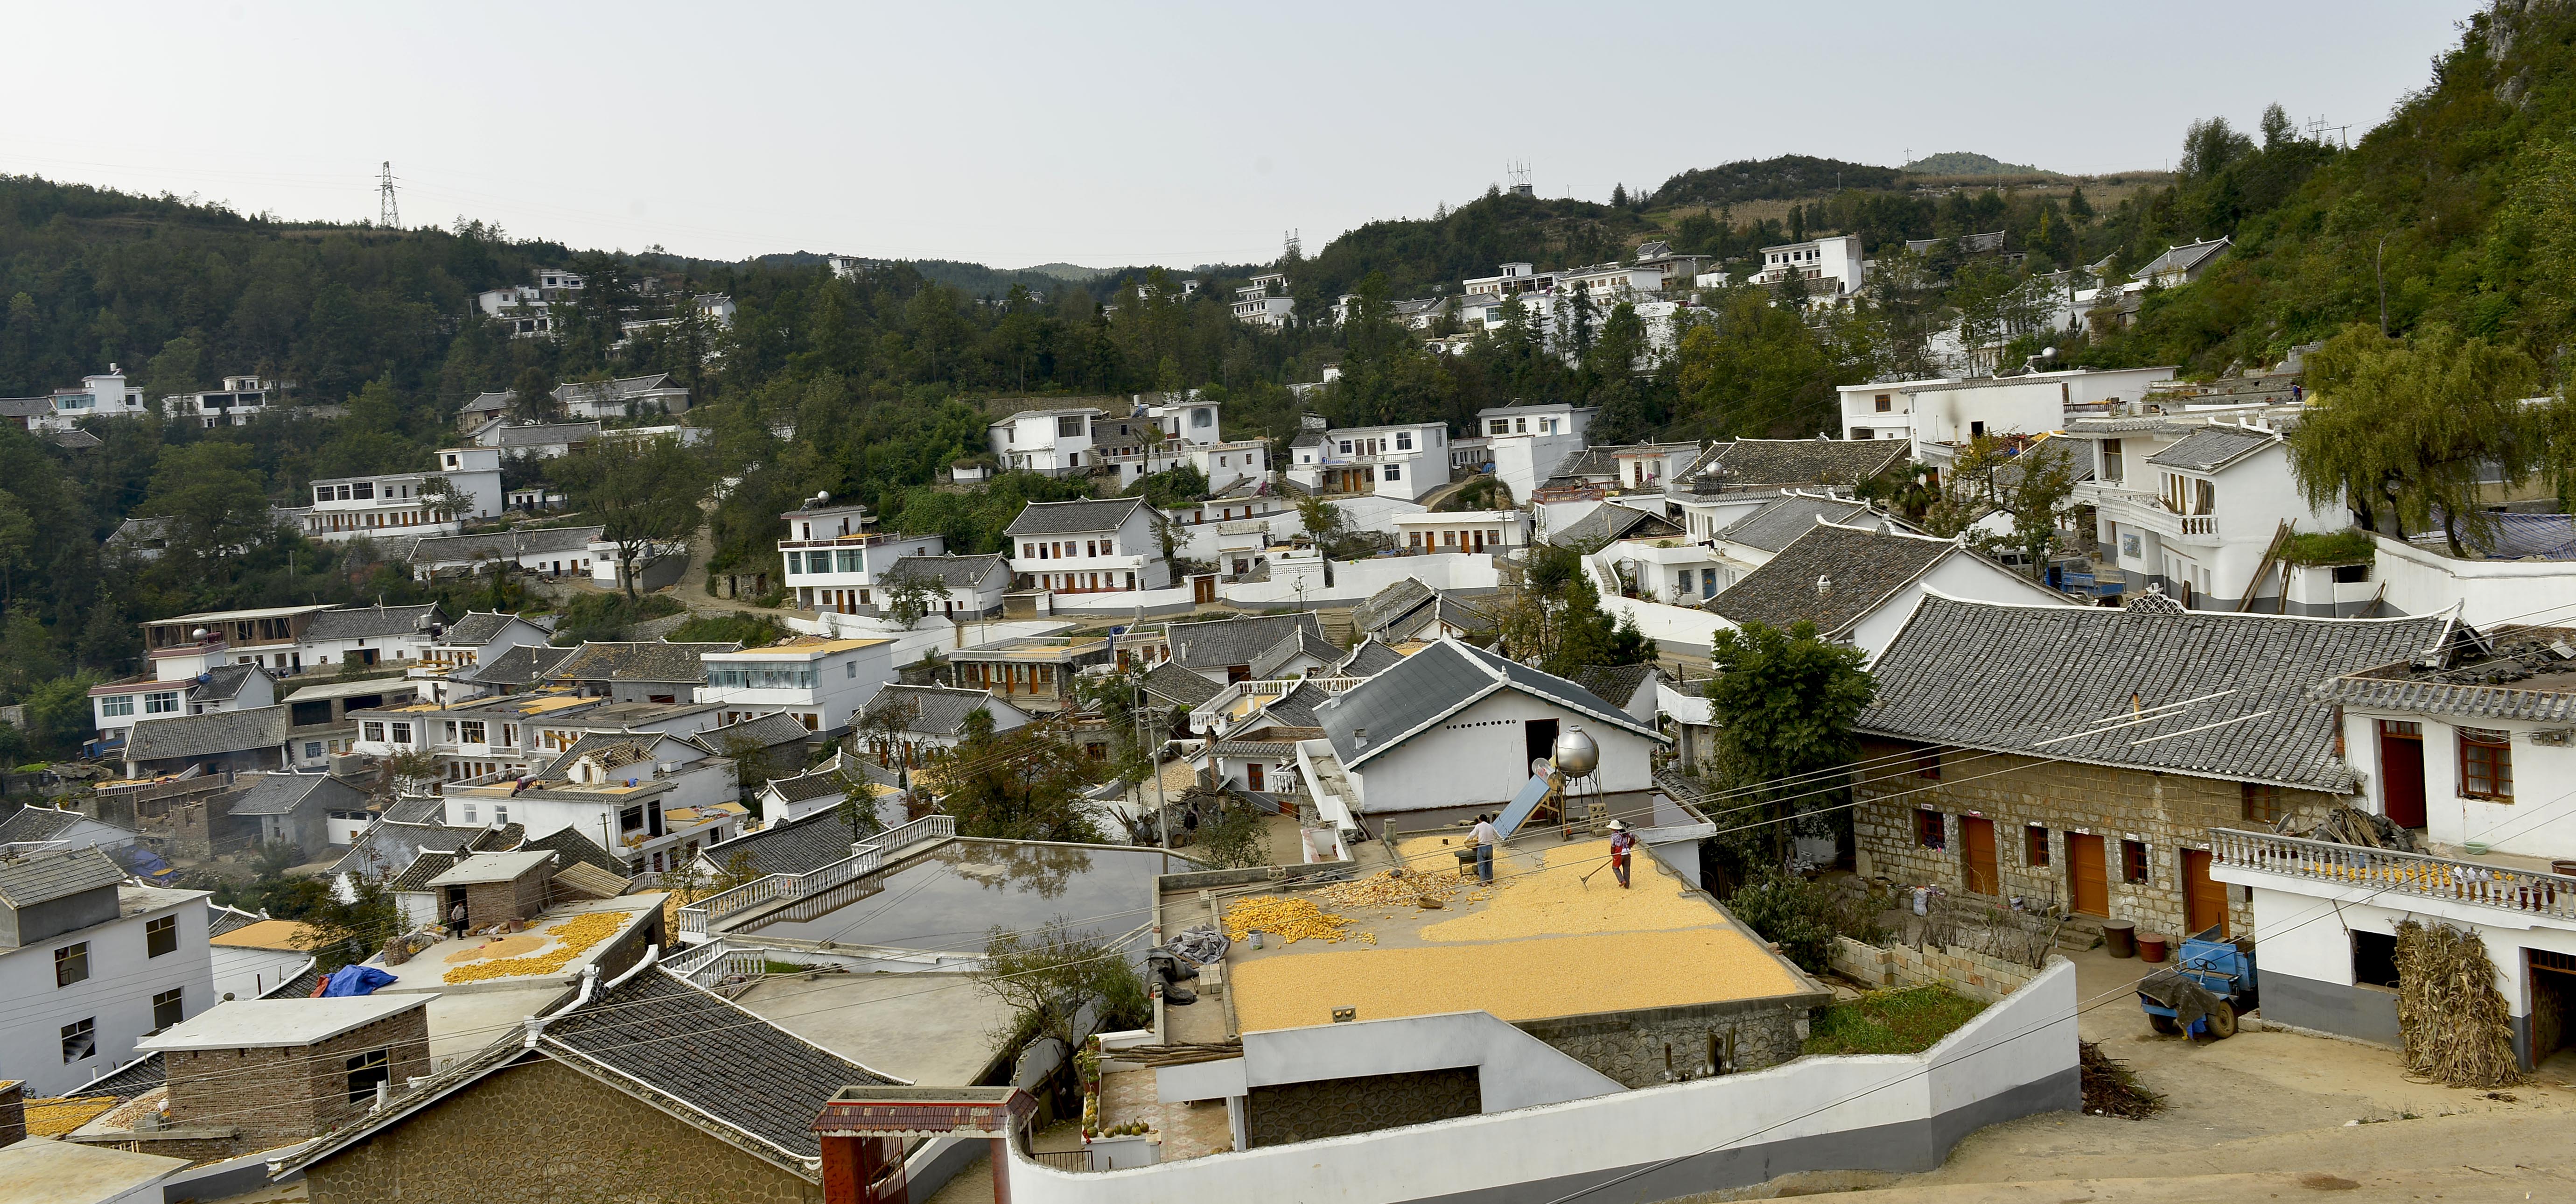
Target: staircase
{"x":2079,"y":934}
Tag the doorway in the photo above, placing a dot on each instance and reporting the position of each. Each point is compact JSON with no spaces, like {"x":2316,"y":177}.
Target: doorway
{"x":2401,"y":772}
{"x":2204,"y":899}
{"x":1252,"y":775}
{"x":2087,"y":881}
{"x":1538,"y":738}
{"x":2553,"y":988}
{"x":1977,"y":854}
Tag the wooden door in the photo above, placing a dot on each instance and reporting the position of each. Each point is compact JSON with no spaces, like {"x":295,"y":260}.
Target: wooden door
{"x":1252,"y":775}
{"x":2204,"y":899}
{"x":1977,"y":854}
{"x":2087,"y":879}
{"x":2401,"y":772}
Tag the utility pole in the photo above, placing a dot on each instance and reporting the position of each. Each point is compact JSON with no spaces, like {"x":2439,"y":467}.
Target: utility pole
{"x":388,"y":215}
{"x":1154,"y":766}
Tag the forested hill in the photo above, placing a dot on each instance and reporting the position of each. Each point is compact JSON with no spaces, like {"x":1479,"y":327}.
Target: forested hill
{"x":1770,"y":180}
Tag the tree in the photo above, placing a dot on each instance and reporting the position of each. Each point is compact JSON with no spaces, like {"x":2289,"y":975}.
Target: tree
{"x":1049,"y":977}
{"x":216,"y":505}
{"x":644,"y":492}
{"x":532,"y":396}
{"x":443,"y":501}
{"x":2034,"y":490}
{"x":1023,"y":784}
{"x":1322,"y":520}
{"x":908,"y":595}
{"x":2405,"y":430}
{"x":1234,"y":837}
{"x":858,"y":807}
{"x":1783,"y":703}
{"x":886,"y":725}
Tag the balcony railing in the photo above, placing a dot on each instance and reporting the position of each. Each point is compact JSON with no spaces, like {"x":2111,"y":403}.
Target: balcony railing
{"x":2528,"y":892}
{"x":709,"y":964}
{"x":779,"y":888}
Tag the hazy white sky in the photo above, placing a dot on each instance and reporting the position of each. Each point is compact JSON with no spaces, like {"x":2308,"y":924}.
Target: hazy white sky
{"x":1101,"y":134}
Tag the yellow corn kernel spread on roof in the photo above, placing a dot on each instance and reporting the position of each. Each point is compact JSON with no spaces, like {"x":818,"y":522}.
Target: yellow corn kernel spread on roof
{"x":62,"y":1114}
{"x":1514,"y":980}
{"x":1556,"y":901}
{"x":1290,"y":919}
{"x":577,"y":936}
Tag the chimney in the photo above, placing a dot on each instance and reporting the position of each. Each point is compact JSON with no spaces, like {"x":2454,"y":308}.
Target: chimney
{"x":1359,"y":737}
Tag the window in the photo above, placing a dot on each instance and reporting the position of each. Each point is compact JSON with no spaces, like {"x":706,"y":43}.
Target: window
{"x":80,"y":1040}
{"x":1346,"y":447}
{"x":2374,"y":960}
{"x":1395,"y":472}
{"x":402,"y":733}
{"x":2486,"y":764}
{"x":1862,"y":432}
{"x":2349,"y":574}
{"x":116,"y":705}
{"x":1069,"y":426}
{"x":1927,"y":764}
{"x":2204,"y":497}
{"x":166,"y":1010}
{"x":1404,"y":441}
{"x":468,"y":811}
{"x":500,"y":814}
{"x":1202,"y":418}
{"x":365,"y":1071}
{"x":161,"y":936}
{"x":2034,"y":846}
{"x":371,"y":731}
{"x":1498,"y":426}
{"x":1685,"y":578}
{"x":2111,"y":460}
{"x":2263,"y":804}
{"x":1883,"y":403}
{"x":472,"y":731}
{"x":161,"y":704}
{"x":1928,"y":830}
{"x":71,"y":964}
{"x":2133,"y":862}
{"x":312,"y":750}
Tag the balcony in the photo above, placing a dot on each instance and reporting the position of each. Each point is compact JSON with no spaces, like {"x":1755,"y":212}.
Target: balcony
{"x":2387,"y":872}
{"x":2140,"y":508}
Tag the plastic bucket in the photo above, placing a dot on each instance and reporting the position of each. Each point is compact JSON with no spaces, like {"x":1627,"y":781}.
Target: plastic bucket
{"x":2120,"y":938}
{"x":2151,"y":948}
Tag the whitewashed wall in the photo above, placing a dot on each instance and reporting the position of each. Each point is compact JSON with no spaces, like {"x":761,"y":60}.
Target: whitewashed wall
{"x":2419,"y":582}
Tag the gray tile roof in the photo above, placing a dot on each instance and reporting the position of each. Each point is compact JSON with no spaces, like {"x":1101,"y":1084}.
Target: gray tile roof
{"x":760,"y":731}
{"x":1070,"y":518}
{"x":1614,"y":684}
{"x":1301,"y":641}
{"x":2022,"y":678}
{"x":476,"y":628}
{"x":1438,"y":682}
{"x":806,"y":843}
{"x":224,"y":683}
{"x":569,"y":847}
{"x":1296,"y":708}
{"x":1254,"y":748}
{"x":544,"y":434}
{"x":210,"y":734}
{"x":521,"y":541}
{"x":1398,"y":599}
{"x":937,"y":710}
{"x":486,"y":403}
{"x":1220,"y":643}
{"x":135,"y":1078}
{"x":641,"y":660}
{"x":44,"y":877}
{"x":823,"y":781}
{"x":1609,"y":521}
{"x":34,"y":824}
{"x":1369,"y":659}
{"x":371,"y":622}
{"x":719,"y":1061}
{"x":1747,"y":463}
{"x":221,"y":919}
{"x":285,"y":793}
{"x":1174,"y":684}
{"x":1860,"y":570}
{"x":1775,"y":525}
{"x":624,"y":388}
{"x":961,"y":572}
{"x":524,"y":665}
{"x":429,"y":864}
{"x":1588,"y":464}
{"x":2212,"y":447}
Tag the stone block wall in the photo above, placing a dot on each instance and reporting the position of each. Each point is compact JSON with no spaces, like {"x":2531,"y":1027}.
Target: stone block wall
{"x":277,"y":1095}
{"x":592,"y":1144}
{"x":1659,"y":1045}
{"x":13,"y":1112}
{"x":1970,"y":973}
{"x":2166,"y":812}
{"x":518,"y":899}
{"x":1339,"y":1107}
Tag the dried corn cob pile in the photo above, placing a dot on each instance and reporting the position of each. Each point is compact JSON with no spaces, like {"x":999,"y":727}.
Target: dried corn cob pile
{"x":1384,"y":889}
{"x":1290,"y":919}
{"x":576,"y":935}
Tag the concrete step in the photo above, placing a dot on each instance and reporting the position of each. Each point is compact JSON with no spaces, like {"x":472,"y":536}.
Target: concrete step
{"x":2079,"y":934}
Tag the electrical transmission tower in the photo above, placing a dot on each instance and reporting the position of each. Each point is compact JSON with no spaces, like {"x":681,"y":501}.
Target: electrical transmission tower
{"x":1520,"y":173}
{"x":388,"y":215}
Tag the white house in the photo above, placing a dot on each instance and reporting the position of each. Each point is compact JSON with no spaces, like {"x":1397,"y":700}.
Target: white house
{"x":1088,"y":547}
{"x":90,"y":964}
{"x":1494,"y":532}
{"x":2191,"y":507}
{"x":1056,"y":442}
{"x":1940,"y":414}
{"x":645,"y":797}
{"x":833,"y":560}
{"x":1528,"y":442}
{"x":371,"y":635}
{"x":535,"y":440}
{"x":102,"y":395}
{"x":539,"y":551}
{"x":1264,"y":302}
{"x":1404,"y":460}
{"x":1858,"y":582}
{"x":968,"y":586}
{"x":623,"y":397}
{"x":1455,"y":727}
{"x":242,"y":399}
{"x":822,"y":788}
{"x":1831,"y":267}
{"x":929,"y":718}
{"x":821,"y":682}
{"x":389,"y":505}
{"x":116,"y":706}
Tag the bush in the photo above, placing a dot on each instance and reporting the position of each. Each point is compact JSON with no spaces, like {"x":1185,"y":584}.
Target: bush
{"x":1803,"y":916}
{"x":751,"y":631}
{"x":607,"y":616}
{"x":2330,"y":547}
{"x":1890,"y":1022}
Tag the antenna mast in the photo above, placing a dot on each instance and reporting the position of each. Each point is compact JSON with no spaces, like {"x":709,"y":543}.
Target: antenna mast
{"x":1520,"y":173}
{"x":388,"y":215}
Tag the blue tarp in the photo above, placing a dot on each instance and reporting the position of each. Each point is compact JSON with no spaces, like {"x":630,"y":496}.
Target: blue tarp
{"x":355,"y":980}
{"x":144,"y":863}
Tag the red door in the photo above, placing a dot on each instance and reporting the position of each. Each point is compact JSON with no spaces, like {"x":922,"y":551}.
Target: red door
{"x":1252,"y":775}
{"x":2401,"y":772}
{"x":1978,"y":837}
{"x":2087,"y":878}
{"x":2204,"y":899}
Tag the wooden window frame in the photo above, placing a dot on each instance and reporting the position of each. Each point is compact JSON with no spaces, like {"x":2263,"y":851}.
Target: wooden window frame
{"x":2260,"y":803}
{"x":2034,"y":846}
{"x":2135,"y":867}
{"x":1931,"y":830}
{"x":2486,"y":764}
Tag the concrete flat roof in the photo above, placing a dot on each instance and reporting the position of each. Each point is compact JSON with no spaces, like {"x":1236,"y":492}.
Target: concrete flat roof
{"x":268,"y":1023}
{"x":492,"y":867}
{"x":350,"y":689}
{"x":39,"y":1171}
{"x":558,"y":944}
{"x":934,"y":1029}
{"x":1538,"y":944}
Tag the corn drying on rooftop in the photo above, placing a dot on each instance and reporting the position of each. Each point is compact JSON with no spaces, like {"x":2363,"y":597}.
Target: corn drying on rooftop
{"x":1541,"y":942}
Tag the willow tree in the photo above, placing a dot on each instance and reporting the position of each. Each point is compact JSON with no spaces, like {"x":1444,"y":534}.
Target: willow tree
{"x":2409,"y":431}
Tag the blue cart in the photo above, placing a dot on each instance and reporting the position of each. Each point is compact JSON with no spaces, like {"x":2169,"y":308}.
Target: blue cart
{"x":2205,"y":991}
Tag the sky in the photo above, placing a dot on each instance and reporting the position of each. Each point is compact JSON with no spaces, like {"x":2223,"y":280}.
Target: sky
{"x":1015,"y":134}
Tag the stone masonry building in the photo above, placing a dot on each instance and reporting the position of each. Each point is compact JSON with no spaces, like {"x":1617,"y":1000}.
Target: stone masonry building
{"x":2077,"y":757}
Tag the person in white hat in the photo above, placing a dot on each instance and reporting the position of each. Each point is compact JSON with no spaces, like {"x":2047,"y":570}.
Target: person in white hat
{"x":1620,"y":842}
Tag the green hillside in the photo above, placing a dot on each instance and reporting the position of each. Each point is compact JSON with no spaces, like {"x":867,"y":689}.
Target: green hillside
{"x":1783,"y":178}
{"x":1967,"y":163}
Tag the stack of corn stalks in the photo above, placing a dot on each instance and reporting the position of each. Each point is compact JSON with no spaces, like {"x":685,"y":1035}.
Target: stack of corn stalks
{"x":2457,"y":1030}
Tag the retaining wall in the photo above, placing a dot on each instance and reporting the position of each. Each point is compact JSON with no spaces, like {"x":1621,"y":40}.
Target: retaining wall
{"x":1970,"y":973}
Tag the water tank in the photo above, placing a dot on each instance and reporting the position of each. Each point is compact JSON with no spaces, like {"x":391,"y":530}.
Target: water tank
{"x":1576,"y":754}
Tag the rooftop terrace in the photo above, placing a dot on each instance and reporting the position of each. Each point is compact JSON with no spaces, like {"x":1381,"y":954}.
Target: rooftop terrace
{"x":947,"y":899}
